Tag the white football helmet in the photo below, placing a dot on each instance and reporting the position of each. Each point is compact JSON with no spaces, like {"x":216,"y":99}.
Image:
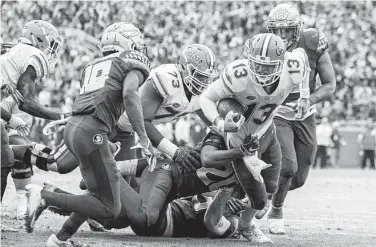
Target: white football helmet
{"x":122,"y":36}
{"x":44,"y":36}
{"x":284,"y":21}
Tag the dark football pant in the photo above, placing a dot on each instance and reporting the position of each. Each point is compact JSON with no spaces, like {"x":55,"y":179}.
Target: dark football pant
{"x":7,"y":158}
{"x":298,"y":144}
{"x":270,"y":153}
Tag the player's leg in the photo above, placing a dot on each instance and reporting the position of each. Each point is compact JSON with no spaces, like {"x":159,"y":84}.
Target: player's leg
{"x":372,"y":157}
{"x":305,"y":146}
{"x":154,"y":189}
{"x":7,"y":158}
{"x":21,"y":174}
{"x":272,"y":155}
{"x":285,"y":136}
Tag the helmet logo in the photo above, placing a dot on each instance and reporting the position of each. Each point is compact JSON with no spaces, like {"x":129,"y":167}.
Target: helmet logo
{"x":281,"y":14}
{"x":196,"y":58}
{"x":279,"y":51}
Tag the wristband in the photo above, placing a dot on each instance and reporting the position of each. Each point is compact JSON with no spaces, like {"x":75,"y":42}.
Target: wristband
{"x":167,"y":147}
{"x":304,"y":93}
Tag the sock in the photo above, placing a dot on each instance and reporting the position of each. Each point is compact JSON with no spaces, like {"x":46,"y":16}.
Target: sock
{"x":70,"y":226}
{"x":246,"y":218}
{"x":132,"y":167}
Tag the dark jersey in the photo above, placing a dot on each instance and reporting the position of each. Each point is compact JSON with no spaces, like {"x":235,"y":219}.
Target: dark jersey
{"x":188,"y":218}
{"x":101,"y":94}
{"x":315,"y":43}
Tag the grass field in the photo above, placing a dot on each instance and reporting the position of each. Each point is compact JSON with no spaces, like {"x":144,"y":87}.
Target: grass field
{"x":334,"y":208}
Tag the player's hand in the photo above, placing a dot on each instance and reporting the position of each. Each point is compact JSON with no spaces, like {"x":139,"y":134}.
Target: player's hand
{"x":255,"y":166}
{"x":229,"y":123}
{"x":19,"y":125}
{"x":236,"y":206}
{"x":188,"y":158}
{"x":303,"y":107}
{"x":149,"y":152}
{"x":250,"y":145}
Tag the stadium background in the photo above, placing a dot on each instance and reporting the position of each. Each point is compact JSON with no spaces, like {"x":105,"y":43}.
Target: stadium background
{"x":224,"y":26}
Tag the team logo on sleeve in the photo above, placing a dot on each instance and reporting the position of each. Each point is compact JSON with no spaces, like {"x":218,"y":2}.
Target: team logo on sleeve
{"x":166,"y":166}
{"x":98,"y":139}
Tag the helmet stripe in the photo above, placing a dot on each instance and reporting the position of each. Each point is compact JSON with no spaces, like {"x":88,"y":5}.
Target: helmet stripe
{"x":266,"y":45}
{"x":211,"y":56}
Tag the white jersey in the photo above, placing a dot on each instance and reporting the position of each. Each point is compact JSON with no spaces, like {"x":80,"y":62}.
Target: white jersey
{"x":168,"y":82}
{"x":17,"y":59}
{"x":259,"y":106}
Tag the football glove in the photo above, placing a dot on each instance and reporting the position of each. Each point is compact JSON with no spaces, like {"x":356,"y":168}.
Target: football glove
{"x":149,"y":152}
{"x":250,"y":145}
{"x":188,"y":158}
{"x":19,"y":125}
{"x":236,"y":206}
{"x":255,"y":166}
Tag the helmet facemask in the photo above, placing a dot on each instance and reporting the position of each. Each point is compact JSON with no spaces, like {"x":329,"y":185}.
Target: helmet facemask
{"x":53,"y":51}
{"x":263,"y":71}
{"x":290,"y":34}
{"x":197,"y":80}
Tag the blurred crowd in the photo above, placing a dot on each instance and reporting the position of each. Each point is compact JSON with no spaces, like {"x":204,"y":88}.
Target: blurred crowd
{"x":223,"y":26}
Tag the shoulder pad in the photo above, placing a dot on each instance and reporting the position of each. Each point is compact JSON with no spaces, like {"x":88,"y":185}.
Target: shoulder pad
{"x":167,"y":80}
{"x":136,"y":60}
{"x":311,"y":38}
{"x":315,"y":40}
{"x":39,"y":62}
{"x":297,"y":65}
{"x":235,"y":76}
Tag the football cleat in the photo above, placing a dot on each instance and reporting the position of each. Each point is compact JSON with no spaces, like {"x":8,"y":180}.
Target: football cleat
{"x":35,"y":204}
{"x":34,"y":200}
{"x":254,"y":234}
{"x":261,"y":213}
{"x":53,"y":241}
{"x":277,"y":226}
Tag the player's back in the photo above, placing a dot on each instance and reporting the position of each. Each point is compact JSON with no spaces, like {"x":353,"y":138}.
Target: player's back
{"x":101,"y":94}
{"x":15,"y":62}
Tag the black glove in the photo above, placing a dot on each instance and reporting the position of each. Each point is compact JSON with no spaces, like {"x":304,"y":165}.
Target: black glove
{"x":188,"y":158}
{"x":250,"y":145}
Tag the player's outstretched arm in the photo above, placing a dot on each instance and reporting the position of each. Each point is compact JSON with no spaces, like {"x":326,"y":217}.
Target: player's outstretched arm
{"x":214,"y":220}
{"x":212,"y":157}
{"x":132,"y":104}
{"x":26,"y":86}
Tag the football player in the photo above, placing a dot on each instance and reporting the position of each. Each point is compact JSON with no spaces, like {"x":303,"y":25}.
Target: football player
{"x":297,"y":132}
{"x":26,"y":63}
{"x":22,"y":66}
{"x":21,"y":172}
{"x":171,"y":91}
{"x":194,"y":216}
{"x":261,"y":82}
{"x":109,"y":87}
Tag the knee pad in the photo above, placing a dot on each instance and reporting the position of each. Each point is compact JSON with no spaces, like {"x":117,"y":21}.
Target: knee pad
{"x":82,"y":185}
{"x":258,"y":204}
{"x":296,"y":183}
{"x":38,"y":155}
{"x":271,"y":187}
{"x":22,"y":170}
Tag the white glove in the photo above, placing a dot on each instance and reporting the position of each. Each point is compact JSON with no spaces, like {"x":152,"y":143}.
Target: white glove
{"x":229,"y":124}
{"x":255,"y":166}
{"x":149,"y":152}
{"x":19,"y":125}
